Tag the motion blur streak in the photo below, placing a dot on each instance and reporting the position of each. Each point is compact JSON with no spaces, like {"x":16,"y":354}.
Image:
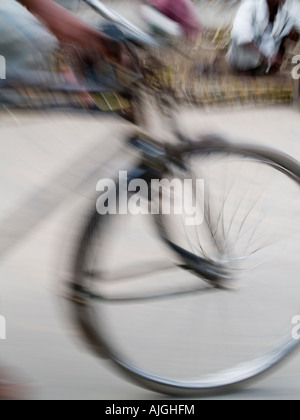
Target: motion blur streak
{"x":57,"y":141}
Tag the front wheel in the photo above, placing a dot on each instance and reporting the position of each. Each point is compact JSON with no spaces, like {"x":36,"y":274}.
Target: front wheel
{"x":146,"y":304}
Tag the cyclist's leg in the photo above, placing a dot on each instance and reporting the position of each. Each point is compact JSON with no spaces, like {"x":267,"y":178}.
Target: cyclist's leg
{"x":28,"y":46}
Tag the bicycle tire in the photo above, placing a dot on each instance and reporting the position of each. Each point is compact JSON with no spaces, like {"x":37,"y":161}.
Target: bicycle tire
{"x":93,"y":328}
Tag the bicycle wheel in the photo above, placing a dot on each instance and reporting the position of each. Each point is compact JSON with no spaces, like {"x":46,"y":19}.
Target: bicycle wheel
{"x":172,"y":330}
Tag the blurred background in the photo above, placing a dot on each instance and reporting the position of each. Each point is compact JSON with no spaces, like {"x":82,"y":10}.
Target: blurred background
{"x":55,"y":148}
{"x":203,"y":80}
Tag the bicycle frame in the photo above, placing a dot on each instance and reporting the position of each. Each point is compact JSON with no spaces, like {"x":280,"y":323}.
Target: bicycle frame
{"x":163,"y":100}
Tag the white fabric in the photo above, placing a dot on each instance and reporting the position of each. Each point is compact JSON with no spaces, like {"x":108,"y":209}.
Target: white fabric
{"x":241,"y":58}
{"x":252,"y":21}
{"x":267,"y":44}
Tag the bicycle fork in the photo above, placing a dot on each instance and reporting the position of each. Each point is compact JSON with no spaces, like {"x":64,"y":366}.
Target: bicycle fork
{"x":153,"y":165}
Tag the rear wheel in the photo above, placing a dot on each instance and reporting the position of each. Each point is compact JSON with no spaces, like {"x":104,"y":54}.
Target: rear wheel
{"x":153,"y":313}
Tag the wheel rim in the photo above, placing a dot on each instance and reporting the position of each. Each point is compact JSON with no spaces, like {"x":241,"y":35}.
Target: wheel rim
{"x":143,"y":336}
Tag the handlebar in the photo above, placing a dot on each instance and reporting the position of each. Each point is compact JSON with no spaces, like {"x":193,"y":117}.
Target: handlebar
{"x":134,"y":34}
